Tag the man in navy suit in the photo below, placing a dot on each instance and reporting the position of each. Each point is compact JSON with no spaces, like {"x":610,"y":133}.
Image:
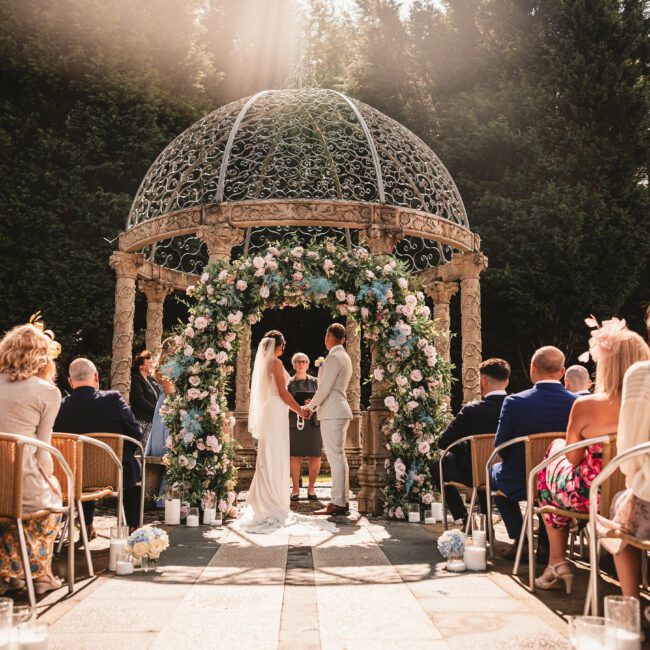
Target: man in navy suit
{"x":543,"y":408}
{"x":472,"y":419}
{"x":90,"y":410}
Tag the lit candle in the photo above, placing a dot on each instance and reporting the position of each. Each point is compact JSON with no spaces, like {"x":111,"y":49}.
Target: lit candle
{"x":208,"y":515}
{"x":33,"y":636}
{"x":622,"y":639}
{"x":475,"y":558}
{"x":192,"y":521}
{"x":172,"y":512}
{"x":117,"y":545}
{"x":479,"y":537}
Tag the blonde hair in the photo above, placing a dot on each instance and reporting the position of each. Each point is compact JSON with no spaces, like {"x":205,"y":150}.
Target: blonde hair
{"x":24,"y":352}
{"x":611,"y":369}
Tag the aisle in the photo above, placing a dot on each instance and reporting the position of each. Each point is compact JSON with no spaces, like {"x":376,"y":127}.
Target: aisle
{"x":373,"y":585}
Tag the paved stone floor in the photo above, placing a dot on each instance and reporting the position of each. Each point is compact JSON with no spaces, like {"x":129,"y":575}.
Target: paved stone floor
{"x":375,"y":584}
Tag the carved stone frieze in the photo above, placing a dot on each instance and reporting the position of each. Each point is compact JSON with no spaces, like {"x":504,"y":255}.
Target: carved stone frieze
{"x":430,"y":226}
{"x":163,"y":227}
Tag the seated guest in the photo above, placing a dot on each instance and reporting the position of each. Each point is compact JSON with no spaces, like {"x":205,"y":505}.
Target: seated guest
{"x":143,"y":395}
{"x":473,"y":419}
{"x":631,"y":508}
{"x":90,"y":410}
{"x":566,"y":481}
{"x":29,"y":402}
{"x":577,"y":380}
{"x":543,"y":408}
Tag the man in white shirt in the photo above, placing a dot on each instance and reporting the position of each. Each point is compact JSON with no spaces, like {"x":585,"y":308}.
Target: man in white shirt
{"x":577,"y":380}
{"x":334,"y":414}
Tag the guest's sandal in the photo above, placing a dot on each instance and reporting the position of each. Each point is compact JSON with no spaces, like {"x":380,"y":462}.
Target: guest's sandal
{"x":43,"y":587}
{"x":555,"y":580}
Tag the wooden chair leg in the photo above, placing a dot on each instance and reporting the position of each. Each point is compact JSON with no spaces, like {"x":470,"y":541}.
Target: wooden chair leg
{"x":84,"y":538}
{"x":29,"y":581}
{"x":472,"y":504}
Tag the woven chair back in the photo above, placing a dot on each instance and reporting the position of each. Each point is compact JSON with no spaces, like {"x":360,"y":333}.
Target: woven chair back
{"x":11,"y":478}
{"x":99,"y":470}
{"x":72,"y":450}
{"x":482,"y":447}
{"x":615,"y":483}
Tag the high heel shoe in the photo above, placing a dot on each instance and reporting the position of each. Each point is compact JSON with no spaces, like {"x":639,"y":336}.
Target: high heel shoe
{"x":557,"y":579}
{"x":51,"y":585}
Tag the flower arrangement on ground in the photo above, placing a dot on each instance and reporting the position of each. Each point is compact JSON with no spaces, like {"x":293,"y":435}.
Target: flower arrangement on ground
{"x":451,"y":544}
{"x":148,"y":542}
{"x":374,"y":292}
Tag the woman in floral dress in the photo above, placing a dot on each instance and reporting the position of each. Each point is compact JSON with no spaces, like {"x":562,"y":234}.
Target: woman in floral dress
{"x":566,"y":481}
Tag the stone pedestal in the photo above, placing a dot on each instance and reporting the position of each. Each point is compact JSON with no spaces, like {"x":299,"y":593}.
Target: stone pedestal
{"x":353,"y":442}
{"x":126,"y":267}
{"x":156,"y":291}
{"x":471,"y":265}
{"x":372,"y":473}
{"x":220,"y":239}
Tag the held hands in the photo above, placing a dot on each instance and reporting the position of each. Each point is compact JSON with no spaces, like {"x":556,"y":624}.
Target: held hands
{"x":305,"y":413}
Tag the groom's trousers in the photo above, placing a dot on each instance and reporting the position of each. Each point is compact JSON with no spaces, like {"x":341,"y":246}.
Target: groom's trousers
{"x":334,"y":433}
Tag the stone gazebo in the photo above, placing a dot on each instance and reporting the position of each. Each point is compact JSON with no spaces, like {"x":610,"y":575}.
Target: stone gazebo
{"x":316,"y":163}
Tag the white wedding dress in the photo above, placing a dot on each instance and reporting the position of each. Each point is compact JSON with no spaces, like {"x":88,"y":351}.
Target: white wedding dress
{"x":267,"y":508}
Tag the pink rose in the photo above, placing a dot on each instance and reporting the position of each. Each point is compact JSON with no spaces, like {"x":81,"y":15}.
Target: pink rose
{"x":259,"y":262}
{"x":264,"y":291}
{"x":209,"y":354}
{"x":416,"y":375}
{"x":221,"y":357}
{"x":427,"y":499}
{"x":424,"y":447}
{"x":194,"y":380}
{"x":241,"y":285}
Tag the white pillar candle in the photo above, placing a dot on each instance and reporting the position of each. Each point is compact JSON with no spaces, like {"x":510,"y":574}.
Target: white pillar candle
{"x":116,"y":547}
{"x":621,"y":639}
{"x":479,"y":537}
{"x":475,"y":558}
{"x":208,"y":515}
{"x":217,"y":520}
{"x":172,"y":512}
{"x":414,"y":517}
{"x":124,"y":568}
{"x":192,"y":521}
{"x":35,"y":638}
{"x":436,"y":511}
{"x":429,"y":520}
{"x":5,"y":639}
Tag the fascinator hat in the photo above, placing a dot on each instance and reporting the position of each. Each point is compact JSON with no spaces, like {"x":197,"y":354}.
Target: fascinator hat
{"x":37,"y":321}
{"x":605,"y":339}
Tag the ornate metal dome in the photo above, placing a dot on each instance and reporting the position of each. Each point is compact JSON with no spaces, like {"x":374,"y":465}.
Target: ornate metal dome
{"x":297,"y":144}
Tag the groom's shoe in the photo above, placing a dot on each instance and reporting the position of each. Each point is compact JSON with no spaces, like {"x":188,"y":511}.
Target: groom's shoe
{"x":330,"y":509}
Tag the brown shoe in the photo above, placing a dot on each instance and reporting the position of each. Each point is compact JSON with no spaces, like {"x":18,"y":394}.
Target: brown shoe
{"x":332,"y":510}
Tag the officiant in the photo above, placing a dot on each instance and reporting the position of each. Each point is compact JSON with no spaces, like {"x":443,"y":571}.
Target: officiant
{"x":305,"y":441}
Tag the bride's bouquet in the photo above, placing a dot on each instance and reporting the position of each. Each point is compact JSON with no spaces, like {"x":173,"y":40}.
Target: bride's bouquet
{"x":148,"y":542}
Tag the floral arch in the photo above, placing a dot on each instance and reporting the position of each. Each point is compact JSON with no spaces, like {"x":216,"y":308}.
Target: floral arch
{"x":377,"y":296}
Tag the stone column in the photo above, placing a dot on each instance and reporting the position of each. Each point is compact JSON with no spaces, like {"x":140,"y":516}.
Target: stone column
{"x":126,"y":267}
{"x":156,"y":291}
{"x":372,"y":473}
{"x":471,"y":265}
{"x":247,"y":453}
{"x":220,"y":239}
{"x":442,"y":293}
{"x":353,"y":442}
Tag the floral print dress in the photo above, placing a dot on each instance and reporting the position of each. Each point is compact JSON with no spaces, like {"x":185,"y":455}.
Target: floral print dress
{"x":564,"y":486}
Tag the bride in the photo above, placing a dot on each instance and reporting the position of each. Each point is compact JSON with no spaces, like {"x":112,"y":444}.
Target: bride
{"x":267,"y":507}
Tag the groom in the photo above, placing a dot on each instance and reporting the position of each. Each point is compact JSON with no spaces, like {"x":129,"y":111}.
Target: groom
{"x":334,"y":414}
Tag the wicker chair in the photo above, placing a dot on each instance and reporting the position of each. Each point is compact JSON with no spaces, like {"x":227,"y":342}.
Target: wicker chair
{"x":11,"y":497}
{"x":481,"y":447}
{"x":116,"y":441}
{"x":609,"y":451}
{"x":614,"y":481}
{"x":535,"y":448}
{"x":94,"y":480}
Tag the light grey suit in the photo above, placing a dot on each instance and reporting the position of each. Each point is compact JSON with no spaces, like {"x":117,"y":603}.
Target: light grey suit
{"x":334,"y":414}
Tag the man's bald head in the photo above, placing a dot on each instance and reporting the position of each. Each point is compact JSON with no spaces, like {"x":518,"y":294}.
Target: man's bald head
{"x":577,"y":379}
{"x":547,"y":363}
{"x":83,"y":372}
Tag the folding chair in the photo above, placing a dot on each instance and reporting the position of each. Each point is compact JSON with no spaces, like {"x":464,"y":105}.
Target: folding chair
{"x":116,"y":441}
{"x":609,"y":451}
{"x":615,"y":484}
{"x":481,"y":447}
{"x":11,"y":498}
{"x":535,"y":448}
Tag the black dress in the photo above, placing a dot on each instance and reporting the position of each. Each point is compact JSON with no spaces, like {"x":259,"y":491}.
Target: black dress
{"x":308,"y":441}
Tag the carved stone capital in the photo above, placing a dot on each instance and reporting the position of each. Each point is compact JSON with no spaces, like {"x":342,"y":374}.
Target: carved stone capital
{"x":381,"y":240}
{"x":155,"y":290}
{"x":441,"y":292}
{"x":470,"y":265}
{"x":126,"y":265}
{"x":220,"y":239}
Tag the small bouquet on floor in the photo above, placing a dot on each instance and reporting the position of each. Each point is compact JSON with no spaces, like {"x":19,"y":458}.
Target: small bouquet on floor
{"x":147,"y":542}
{"x":451,"y":545}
